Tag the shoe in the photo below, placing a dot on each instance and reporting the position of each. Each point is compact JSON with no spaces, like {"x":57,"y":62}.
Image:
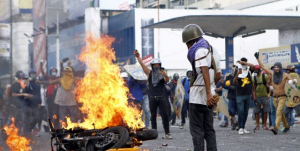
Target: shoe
{"x":234,"y":125}
{"x":275,"y":131}
{"x":168,"y":136}
{"x":237,"y":128}
{"x":286,"y":129}
{"x":246,"y":132}
{"x":241,"y":131}
{"x":182,"y":125}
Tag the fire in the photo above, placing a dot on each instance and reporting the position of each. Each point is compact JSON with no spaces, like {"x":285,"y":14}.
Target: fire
{"x":101,"y":91}
{"x":54,"y":116}
{"x":14,"y":141}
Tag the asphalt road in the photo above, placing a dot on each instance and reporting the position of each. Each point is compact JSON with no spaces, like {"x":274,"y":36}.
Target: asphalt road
{"x":227,"y":140}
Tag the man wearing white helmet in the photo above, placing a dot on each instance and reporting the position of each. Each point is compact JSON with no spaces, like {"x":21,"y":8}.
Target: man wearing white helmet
{"x":157,"y":79}
{"x":206,"y":64}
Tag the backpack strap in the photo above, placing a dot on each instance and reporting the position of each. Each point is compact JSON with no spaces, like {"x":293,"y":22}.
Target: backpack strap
{"x":265,"y":82}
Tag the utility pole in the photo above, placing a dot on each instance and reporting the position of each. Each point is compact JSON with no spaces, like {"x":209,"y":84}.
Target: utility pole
{"x":57,"y":42}
{"x":11,"y":44}
{"x":158,"y":38}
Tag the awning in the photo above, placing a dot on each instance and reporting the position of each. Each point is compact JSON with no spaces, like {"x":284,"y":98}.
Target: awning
{"x":224,"y":23}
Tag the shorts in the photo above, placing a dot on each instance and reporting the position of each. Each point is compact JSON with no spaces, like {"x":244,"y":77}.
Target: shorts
{"x":266,"y":105}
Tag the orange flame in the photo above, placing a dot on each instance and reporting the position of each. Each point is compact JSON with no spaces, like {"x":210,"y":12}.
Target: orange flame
{"x":102,"y":91}
{"x":54,"y":116}
{"x":14,"y":141}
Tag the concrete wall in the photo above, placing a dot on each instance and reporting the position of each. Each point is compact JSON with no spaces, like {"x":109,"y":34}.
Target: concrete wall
{"x":21,"y":59}
{"x":288,"y":37}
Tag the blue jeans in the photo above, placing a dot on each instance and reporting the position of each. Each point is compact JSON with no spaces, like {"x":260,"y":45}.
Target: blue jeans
{"x":273,"y":112}
{"x":243,"y":103}
{"x":185,"y":108}
{"x":232,"y":107}
{"x":146,"y":109}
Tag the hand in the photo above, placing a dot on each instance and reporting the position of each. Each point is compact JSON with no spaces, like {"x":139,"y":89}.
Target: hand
{"x":295,"y":81}
{"x":256,"y":55}
{"x":136,"y":53}
{"x":163,"y":72}
{"x":65,"y":60}
{"x":240,"y":71}
{"x":42,"y":61}
{"x":210,"y":99}
{"x":26,"y":95}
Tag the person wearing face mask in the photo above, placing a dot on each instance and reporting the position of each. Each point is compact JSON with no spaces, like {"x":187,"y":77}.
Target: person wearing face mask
{"x":185,"y":107}
{"x":52,"y":108}
{"x":65,"y":97}
{"x":18,"y":96}
{"x":231,"y":96}
{"x":279,"y":79}
{"x":205,"y":62}
{"x":35,"y":102}
{"x":260,"y":96}
{"x":243,"y":92}
{"x":157,"y":79}
{"x":172,"y":86}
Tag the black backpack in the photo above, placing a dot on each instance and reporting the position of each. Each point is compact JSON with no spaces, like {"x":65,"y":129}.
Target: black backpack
{"x":264,"y":82}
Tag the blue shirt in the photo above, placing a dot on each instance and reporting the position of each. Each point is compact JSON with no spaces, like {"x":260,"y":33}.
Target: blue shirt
{"x":186,"y":86}
{"x":136,"y":88}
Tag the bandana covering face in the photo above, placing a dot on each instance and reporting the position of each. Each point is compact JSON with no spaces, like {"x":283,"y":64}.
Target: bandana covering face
{"x":245,"y":70}
{"x":156,"y":76}
{"x":277,"y":77}
{"x":67,"y":79}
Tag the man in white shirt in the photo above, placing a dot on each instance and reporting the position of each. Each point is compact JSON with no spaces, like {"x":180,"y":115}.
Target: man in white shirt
{"x":202,"y":89}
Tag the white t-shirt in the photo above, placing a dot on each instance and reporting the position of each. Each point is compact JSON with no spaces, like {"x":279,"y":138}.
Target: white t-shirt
{"x":198,"y":93}
{"x":43,"y":96}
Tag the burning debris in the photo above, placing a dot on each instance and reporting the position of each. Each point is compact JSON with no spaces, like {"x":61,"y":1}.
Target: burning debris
{"x":101,"y":91}
{"x":110,"y":121}
{"x":14,"y":141}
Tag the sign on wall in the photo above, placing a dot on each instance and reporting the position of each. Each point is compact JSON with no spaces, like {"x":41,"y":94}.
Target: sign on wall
{"x":280,"y":54}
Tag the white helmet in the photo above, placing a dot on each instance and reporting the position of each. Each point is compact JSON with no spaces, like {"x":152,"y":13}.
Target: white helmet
{"x":124,"y":75}
{"x":155,"y":61}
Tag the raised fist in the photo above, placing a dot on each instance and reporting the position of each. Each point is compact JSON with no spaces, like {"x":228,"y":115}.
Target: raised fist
{"x":136,"y":53}
{"x":256,"y":55}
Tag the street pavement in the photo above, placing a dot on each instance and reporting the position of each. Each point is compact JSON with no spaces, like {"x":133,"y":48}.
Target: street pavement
{"x":227,"y":140}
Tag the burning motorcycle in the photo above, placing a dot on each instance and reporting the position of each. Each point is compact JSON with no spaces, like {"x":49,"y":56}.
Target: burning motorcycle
{"x":79,"y":139}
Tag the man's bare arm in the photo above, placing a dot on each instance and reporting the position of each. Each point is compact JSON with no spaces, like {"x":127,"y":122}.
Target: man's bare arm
{"x":248,"y":64}
{"x":145,"y":68}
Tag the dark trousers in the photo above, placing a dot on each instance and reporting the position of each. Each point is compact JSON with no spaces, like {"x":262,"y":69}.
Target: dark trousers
{"x":173,"y":114}
{"x":185,"y":108}
{"x":160,"y":102}
{"x":42,"y":115}
{"x":201,"y":127}
{"x":53,"y":111}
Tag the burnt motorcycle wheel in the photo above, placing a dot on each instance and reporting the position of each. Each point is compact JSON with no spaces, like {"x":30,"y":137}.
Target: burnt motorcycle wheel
{"x":119,"y":135}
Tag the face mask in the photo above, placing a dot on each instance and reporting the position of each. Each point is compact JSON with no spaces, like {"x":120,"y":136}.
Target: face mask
{"x":25,"y":82}
{"x":156,"y":69}
{"x":53,"y":74}
{"x":33,"y":77}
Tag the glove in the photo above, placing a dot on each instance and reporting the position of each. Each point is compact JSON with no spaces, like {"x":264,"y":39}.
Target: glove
{"x":256,"y":55}
{"x":292,"y":84}
{"x":136,"y":53}
{"x":295,"y":80}
{"x":216,"y":100}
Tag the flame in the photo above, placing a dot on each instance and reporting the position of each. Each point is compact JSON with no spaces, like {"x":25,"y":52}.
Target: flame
{"x":102,"y":91}
{"x":54,"y":116}
{"x":14,"y":141}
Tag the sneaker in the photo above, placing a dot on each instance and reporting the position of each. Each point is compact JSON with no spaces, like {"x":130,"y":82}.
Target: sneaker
{"x":241,"y":131}
{"x":168,"y":136}
{"x":275,"y":131}
{"x":237,"y":128}
{"x":234,"y":125}
{"x":182,"y":125}
{"x":286,"y":129}
{"x":246,"y":132}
